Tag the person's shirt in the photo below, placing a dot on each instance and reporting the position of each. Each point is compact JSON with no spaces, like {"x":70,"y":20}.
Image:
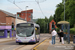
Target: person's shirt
{"x":58,"y":33}
{"x":61,"y":34}
{"x":53,"y":33}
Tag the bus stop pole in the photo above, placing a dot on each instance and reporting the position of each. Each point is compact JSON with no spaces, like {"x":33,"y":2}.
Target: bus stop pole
{"x":68,"y":33}
{"x":62,"y":26}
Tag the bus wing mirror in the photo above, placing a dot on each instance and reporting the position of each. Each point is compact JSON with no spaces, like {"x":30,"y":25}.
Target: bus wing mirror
{"x":35,"y":28}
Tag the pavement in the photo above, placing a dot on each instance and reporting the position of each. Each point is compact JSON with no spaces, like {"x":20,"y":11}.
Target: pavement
{"x":6,"y":39}
{"x":46,"y":45}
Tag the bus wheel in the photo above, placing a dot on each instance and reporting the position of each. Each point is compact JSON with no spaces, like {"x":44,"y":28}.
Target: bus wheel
{"x":20,"y":43}
{"x":38,"y":41}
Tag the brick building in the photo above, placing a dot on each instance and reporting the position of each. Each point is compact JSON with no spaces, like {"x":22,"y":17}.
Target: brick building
{"x":27,"y":15}
{"x":6,"y":20}
{"x":52,"y":24}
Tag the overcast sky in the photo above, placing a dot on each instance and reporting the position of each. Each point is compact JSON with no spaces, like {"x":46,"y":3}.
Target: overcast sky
{"x":48,"y":7}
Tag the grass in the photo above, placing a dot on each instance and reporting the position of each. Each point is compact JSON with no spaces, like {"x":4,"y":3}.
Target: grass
{"x":72,"y":29}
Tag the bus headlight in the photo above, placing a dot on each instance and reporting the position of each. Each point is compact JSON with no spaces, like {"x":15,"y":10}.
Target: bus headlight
{"x":17,"y":40}
{"x":33,"y":38}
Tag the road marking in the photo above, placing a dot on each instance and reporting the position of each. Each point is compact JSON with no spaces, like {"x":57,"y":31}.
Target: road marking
{"x":7,"y":41}
{"x":8,"y":47}
{"x":38,"y":45}
{"x":19,"y":47}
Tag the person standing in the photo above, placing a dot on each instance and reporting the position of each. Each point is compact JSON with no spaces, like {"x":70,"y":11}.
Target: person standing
{"x":53,"y":33}
{"x":59,"y":34}
{"x":62,"y":36}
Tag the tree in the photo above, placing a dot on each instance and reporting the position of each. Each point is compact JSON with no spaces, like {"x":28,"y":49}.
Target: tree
{"x":41,"y":23}
{"x":44,"y":24}
{"x":58,"y":12}
{"x":69,"y":11}
{"x":50,"y":18}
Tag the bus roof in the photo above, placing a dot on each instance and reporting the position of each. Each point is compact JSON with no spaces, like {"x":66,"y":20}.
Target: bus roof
{"x":31,"y":23}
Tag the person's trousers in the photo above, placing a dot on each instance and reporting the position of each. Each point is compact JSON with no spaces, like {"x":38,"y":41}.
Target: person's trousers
{"x":53,"y":39}
{"x":62,"y":40}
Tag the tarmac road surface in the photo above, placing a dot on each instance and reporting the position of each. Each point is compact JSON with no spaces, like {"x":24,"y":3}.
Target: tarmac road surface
{"x":12,"y":45}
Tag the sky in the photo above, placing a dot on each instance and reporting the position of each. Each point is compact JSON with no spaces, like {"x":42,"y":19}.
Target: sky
{"x":48,"y":7}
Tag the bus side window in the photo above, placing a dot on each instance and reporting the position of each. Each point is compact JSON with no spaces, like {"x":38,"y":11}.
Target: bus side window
{"x":37,"y":30}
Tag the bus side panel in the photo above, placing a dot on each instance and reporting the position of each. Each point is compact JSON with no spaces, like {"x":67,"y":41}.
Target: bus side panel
{"x":38,"y":37}
{"x":37,"y":33}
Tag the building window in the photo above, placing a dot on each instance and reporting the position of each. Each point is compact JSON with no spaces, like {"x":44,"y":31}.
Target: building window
{"x":18,"y":15}
{"x":53,"y":26}
{"x":53,"y":23}
{"x":1,"y":32}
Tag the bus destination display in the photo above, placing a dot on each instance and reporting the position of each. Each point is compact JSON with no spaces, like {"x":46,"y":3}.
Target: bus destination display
{"x":25,"y":25}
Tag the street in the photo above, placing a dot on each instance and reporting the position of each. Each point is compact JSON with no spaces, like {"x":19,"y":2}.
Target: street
{"x":37,"y":25}
{"x":12,"y":45}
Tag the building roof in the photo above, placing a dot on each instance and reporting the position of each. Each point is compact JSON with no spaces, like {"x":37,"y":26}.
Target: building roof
{"x":11,"y":15}
{"x":52,"y":21}
{"x":63,"y":22}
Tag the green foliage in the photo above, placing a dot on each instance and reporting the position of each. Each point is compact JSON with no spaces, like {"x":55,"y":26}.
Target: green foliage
{"x":72,"y":31}
{"x":58,"y":12}
{"x":44,"y":24}
{"x":51,"y":18}
{"x":69,"y":12}
{"x":57,"y":29}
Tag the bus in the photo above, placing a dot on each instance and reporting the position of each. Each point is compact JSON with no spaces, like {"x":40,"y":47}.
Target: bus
{"x":27,"y":32}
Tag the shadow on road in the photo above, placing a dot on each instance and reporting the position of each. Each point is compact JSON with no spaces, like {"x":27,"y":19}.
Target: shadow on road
{"x":74,"y":48}
{"x":27,"y":43}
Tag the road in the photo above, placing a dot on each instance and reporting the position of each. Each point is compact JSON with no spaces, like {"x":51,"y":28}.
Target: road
{"x":12,"y":45}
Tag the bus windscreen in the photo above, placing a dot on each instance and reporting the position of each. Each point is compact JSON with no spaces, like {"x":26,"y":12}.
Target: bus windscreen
{"x":25,"y":30}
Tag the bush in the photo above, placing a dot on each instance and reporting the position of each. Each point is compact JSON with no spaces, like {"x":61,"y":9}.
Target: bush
{"x":72,"y":31}
{"x":57,"y":29}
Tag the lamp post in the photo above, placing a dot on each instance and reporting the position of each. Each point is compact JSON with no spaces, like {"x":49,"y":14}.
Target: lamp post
{"x":16,"y":21}
{"x":64,"y":10}
{"x":26,"y":13}
{"x":44,"y":26}
{"x":64,"y":14}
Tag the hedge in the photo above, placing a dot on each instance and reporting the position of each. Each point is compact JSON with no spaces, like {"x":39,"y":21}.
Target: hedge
{"x":72,"y":31}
